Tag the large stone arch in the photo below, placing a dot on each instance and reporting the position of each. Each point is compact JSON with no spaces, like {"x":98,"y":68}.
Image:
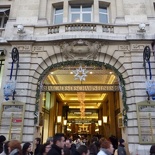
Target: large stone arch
{"x":106,"y":60}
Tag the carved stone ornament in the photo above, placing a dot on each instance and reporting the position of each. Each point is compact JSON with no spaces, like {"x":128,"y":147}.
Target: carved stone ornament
{"x":80,"y":49}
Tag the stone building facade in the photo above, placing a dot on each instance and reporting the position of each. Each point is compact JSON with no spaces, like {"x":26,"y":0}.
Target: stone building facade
{"x":45,"y":33}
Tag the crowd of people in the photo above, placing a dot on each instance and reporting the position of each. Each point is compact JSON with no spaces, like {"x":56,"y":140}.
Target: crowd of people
{"x":59,"y":144}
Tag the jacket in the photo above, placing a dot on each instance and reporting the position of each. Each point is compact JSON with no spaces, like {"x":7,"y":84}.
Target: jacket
{"x":55,"y":150}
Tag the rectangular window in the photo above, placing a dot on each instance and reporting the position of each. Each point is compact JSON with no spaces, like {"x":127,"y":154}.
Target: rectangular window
{"x":4,"y":16}
{"x":1,"y":71}
{"x":103,"y":15}
{"x":58,"y":16}
{"x":81,"y":13}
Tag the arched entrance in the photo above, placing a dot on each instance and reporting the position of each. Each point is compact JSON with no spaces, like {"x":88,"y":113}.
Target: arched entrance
{"x":108,"y":106}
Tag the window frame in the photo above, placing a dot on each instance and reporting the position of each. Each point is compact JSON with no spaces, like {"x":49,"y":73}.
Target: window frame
{"x":4,"y":15}
{"x":54,"y":15}
{"x":81,"y":12}
{"x":104,"y":14}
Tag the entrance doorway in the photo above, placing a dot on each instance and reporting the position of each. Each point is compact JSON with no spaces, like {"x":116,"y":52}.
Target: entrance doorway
{"x":80,"y":107}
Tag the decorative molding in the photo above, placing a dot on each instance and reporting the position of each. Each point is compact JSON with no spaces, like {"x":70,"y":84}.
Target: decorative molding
{"x":38,"y":48}
{"x":24,"y":47}
{"x":139,"y":47}
{"x":124,"y":47}
{"x":80,"y":50}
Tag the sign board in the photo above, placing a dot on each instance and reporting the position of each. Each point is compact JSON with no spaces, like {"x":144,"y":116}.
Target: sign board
{"x":86,"y":88}
{"x":12,"y":117}
{"x":146,"y":122}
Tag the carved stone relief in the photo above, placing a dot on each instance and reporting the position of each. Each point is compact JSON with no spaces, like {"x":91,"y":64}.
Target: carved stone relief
{"x":80,"y":49}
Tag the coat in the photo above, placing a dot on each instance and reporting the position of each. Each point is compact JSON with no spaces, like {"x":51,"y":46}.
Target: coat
{"x":55,"y":150}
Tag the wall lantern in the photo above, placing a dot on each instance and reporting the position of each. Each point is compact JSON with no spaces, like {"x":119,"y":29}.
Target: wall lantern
{"x":105,"y":119}
{"x":58,"y":119}
{"x":65,"y":122}
{"x":99,"y":122}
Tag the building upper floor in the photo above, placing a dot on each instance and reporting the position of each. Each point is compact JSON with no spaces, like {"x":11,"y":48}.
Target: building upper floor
{"x":50,"y":17}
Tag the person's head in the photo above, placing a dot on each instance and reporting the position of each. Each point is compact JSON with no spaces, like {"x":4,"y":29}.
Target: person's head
{"x":106,"y":145}
{"x":2,"y":139}
{"x":37,"y":141}
{"x":44,"y":149}
{"x":59,"y":140}
{"x":152,"y":150}
{"x":83,"y":150}
{"x":5,"y":147}
{"x":49,"y":140}
{"x":121,"y":141}
{"x":15,"y":144}
{"x":27,"y":148}
{"x":68,"y":143}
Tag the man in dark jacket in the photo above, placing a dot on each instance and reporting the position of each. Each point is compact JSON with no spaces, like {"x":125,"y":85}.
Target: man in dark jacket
{"x":58,"y":144}
{"x":69,"y":148}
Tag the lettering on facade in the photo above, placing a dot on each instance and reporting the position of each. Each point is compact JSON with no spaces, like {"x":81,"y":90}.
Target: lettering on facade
{"x":103,"y":88}
{"x":38,"y":48}
{"x":123,"y":47}
{"x":137,"y":47}
{"x":24,"y":47}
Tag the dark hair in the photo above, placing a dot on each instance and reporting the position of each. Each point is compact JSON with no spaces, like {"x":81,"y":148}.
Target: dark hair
{"x":42,"y":148}
{"x":2,"y":138}
{"x":6,"y":147}
{"x":25,"y":147}
{"x":57,"y":137}
{"x":152,"y":150}
{"x":82,"y":149}
{"x":38,"y":139}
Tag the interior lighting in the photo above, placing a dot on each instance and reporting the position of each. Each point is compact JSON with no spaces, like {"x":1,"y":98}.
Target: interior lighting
{"x":105,"y":119}
{"x":59,"y":119}
{"x":99,"y":122}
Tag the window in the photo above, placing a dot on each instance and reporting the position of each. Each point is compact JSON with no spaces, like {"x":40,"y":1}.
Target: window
{"x":58,"y":16}
{"x":103,"y":15}
{"x":1,"y":71}
{"x":4,"y":15}
{"x":81,"y":13}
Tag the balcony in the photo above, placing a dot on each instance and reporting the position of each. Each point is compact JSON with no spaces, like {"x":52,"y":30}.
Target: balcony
{"x":81,"y":27}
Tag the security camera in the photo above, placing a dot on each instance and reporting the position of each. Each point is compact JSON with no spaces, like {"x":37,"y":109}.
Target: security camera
{"x":142,"y":26}
{"x":20,"y":28}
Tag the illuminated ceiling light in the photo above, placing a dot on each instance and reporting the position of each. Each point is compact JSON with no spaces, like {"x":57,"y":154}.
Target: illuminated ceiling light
{"x":58,"y":119}
{"x":91,"y":72}
{"x":110,"y":72}
{"x":105,"y":119}
{"x":80,"y":74}
{"x":65,"y":122}
{"x":71,"y":72}
{"x":99,"y":122}
{"x":51,"y":72}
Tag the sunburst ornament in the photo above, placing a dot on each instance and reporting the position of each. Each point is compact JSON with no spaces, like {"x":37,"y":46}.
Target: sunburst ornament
{"x":80,"y":74}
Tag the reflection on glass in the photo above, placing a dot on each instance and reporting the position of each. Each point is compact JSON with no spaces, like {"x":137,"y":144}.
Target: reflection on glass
{"x":75,"y":18}
{"x":103,"y":15}
{"x":86,"y":17}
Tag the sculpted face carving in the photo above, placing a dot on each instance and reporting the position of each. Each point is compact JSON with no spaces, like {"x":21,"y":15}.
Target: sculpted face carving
{"x":80,"y":49}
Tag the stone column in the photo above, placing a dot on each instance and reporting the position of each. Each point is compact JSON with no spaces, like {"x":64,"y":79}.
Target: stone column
{"x":96,"y":11}
{"x":65,"y":13}
{"x":52,"y":115}
{"x":111,"y":113}
{"x":59,"y":125}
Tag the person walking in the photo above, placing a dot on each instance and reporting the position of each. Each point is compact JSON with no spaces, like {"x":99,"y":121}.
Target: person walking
{"x":58,"y":144}
{"x":121,"y":147}
{"x":27,"y":149}
{"x":106,"y":147}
